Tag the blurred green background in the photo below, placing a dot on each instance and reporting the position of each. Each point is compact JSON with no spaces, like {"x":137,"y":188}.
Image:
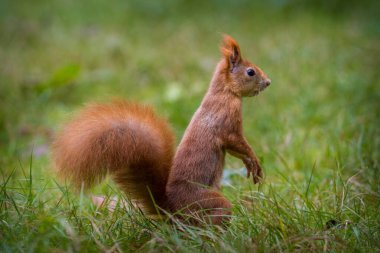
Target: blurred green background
{"x":322,"y":57}
{"x":319,"y":117}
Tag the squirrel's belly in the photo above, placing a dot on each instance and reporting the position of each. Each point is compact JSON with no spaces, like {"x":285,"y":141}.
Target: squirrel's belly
{"x":192,"y":166}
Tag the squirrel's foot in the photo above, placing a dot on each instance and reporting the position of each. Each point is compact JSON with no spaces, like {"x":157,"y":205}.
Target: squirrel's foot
{"x":253,"y":167}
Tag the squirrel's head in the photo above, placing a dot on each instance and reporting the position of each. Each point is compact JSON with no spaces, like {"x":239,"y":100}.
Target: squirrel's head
{"x":242,"y":77}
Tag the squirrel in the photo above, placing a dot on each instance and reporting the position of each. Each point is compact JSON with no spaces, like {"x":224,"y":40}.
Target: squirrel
{"x":135,"y":147}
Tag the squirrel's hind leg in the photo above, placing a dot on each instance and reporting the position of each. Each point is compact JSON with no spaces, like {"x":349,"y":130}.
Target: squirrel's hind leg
{"x":215,"y":206}
{"x":200,"y":205}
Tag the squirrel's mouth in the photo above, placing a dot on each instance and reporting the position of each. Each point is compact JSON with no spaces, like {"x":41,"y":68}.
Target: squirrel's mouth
{"x":257,"y":91}
{"x":254,"y":93}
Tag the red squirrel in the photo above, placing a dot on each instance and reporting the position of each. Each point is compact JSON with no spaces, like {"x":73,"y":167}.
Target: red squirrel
{"x":135,"y":146}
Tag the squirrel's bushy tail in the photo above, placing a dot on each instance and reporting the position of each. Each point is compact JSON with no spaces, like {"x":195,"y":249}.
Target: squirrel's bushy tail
{"x":124,"y":139}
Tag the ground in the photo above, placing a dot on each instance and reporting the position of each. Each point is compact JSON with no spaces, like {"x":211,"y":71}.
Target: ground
{"x":315,"y":129}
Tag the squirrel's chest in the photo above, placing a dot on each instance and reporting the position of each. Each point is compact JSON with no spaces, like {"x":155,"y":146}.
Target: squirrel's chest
{"x":210,"y":121}
{"x":216,"y":123}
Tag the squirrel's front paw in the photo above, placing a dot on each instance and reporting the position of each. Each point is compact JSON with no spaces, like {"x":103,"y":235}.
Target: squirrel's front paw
{"x":257,"y":172}
{"x":248,"y":164}
{"x":253,"y":167}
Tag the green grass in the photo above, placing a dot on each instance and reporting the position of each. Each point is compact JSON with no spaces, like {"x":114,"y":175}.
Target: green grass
{"x":315,"y":129}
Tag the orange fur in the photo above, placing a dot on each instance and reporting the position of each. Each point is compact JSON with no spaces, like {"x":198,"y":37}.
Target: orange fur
{"x":125,"y":139}
{"x":136,"y":147}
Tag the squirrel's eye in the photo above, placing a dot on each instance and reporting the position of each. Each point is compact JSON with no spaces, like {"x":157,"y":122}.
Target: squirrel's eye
{"x":250,"y":72}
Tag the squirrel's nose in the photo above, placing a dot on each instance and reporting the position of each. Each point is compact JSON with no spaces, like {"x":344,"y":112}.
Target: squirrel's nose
{"x":267,"y":82}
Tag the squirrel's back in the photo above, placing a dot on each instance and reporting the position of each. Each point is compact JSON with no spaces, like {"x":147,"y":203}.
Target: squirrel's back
{"x":124,"y":139}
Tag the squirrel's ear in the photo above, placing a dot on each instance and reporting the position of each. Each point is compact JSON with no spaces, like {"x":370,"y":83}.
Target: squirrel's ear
{"x":231,"y":51}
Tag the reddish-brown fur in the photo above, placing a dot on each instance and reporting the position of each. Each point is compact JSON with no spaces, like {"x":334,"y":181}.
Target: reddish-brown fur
{"x":124,"y":139}
{"x":136,"y":148}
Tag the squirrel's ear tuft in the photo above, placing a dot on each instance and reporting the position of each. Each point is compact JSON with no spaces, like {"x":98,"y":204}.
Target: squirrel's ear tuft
{"x":230,"y":50}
